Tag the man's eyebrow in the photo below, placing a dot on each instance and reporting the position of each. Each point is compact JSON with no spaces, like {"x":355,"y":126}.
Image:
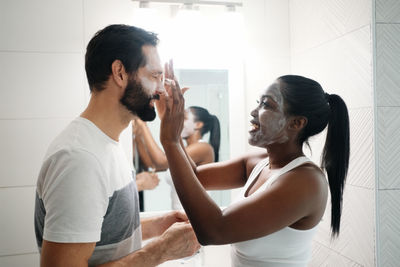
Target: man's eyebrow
{"x":159,"y":72}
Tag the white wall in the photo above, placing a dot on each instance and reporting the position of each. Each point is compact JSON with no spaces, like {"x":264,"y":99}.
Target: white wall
{"x":331,"y":42}
{"x":267,"y":53}
{"x":387,"y":108}
{"x":42,"y":88}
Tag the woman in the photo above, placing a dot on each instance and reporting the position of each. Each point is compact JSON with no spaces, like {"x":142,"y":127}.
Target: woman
{"x":284,"y":194}
{"x":197,"y":122}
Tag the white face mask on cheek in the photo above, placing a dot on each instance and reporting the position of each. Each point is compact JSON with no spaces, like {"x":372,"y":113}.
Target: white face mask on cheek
{"x":189,"y":126}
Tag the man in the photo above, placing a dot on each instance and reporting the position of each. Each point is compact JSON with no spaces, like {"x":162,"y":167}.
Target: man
{"x":87,"y":211}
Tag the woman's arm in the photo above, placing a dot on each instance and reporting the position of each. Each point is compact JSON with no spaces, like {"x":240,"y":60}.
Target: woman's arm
{"x":147,"y":143}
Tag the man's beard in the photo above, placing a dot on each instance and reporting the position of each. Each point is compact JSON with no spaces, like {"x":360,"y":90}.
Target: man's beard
{"x":137,"y":101}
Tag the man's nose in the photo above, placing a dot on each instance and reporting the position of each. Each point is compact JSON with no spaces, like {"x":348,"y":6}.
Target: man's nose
{"x":160,"y":89}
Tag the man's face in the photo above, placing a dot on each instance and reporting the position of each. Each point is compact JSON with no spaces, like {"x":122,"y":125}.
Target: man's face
{"x":141,"y":88}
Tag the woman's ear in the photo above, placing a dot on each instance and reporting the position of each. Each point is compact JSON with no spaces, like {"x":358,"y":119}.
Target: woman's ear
{"x":198,"y":125}
{"x":119,"y":74}
{"x":297,"y":123}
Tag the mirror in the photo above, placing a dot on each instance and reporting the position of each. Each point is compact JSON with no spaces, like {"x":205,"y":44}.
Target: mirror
{"x":208,"y":89}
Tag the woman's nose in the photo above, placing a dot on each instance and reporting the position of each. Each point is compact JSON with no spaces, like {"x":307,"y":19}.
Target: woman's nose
{"x":254,"y":112}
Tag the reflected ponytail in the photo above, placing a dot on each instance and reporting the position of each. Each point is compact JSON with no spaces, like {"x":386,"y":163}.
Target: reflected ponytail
{"x":210,"y":124}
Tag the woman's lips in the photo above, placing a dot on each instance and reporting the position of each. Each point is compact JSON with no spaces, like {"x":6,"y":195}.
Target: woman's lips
{"x":254,"y":126}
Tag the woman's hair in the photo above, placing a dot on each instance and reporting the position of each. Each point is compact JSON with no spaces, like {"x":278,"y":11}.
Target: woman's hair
{"x":210,"y":124}
{"x":305,"y":97}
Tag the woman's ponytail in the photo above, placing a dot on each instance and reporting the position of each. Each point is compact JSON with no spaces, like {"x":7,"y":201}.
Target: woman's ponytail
{"x":215,"y":136}
{"x":210,"y":124}
{"x":335,"y":156}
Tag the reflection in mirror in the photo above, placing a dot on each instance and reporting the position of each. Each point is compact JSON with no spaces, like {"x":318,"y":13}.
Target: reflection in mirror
{"x":208,"y":89}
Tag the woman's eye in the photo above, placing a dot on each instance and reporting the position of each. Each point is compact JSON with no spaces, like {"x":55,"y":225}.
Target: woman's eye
{"x":263,"y":103}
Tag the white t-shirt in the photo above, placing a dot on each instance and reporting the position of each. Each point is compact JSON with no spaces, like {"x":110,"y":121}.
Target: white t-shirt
{"x":86,"y":192}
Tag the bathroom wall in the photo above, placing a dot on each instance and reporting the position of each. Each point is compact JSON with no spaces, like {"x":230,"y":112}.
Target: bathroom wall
{"x":267,"y":49}
{"x":331,"y":42}
{"x":387,"y":108}
{"x":43,"y":87}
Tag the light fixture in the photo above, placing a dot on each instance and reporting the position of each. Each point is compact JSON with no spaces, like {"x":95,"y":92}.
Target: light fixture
{"x":144,"y":4}
{"x":231,"y":5}
{"x":230,"y":8}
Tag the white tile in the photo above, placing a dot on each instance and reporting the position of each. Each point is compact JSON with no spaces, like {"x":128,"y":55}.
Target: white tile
{"x":31,"y":260}
{"x":388,"y":142}
{"x":24,"y":144}
{"x":100,"y":13}
{"x":41,"y":25}
{"x":389,"y":227}
{"x":314,"y":22}
{"x":388,"y":64}
{"x":342,"y":66}
{"x":40,"y":85}
{"x":357,"y":234}
{"x":387,"y":11}
{"x":362,"y":161}
{"x":324,"y":256}
{"x":361,"y":165}
{"x":17,"y":233}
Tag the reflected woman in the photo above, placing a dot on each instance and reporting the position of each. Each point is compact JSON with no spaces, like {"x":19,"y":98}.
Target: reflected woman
{"x":197,"y":122}
{"x":284,"y":194}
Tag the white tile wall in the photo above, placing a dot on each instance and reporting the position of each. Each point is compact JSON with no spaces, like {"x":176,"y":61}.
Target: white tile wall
{"x":26,"y":145}
{"x":41,"y":25}
{"x":25,"y":260}
{"x":361,"y":168}
{"x":387,"y":11}
{"x":100,"y":13}
{"x":324,"y":256}
{"x":331,"y":43}
{"x":267,"y":47}
{"x":314,"y":22}
{"x":388,"y":64}
{"x":342,"y":66}
{"x":41,"y":85}
{"x":389,"y":227}
{"x":388,"y":147}
{"x":17,"y":231}
{"x":357,"y":234}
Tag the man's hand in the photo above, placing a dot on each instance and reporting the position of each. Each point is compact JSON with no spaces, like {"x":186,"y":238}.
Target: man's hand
{"x":147,"y":180}
{"x":179,"y":241}
{"x":170,"y":218}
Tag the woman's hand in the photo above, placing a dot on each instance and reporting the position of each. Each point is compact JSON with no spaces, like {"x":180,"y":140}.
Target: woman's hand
{"x":174,"y":106}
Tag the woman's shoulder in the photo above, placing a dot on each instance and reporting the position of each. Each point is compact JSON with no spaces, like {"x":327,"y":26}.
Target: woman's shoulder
{"x":202,"y":145}
{"x":308,"y":176}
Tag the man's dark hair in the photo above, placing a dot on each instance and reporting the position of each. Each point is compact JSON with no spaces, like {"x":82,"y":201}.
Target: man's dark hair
{"x":115,"y":42}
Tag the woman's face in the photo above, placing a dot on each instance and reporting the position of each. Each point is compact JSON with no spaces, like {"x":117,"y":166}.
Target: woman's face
{"x":269,"y":120}
{"x":189,"y":125}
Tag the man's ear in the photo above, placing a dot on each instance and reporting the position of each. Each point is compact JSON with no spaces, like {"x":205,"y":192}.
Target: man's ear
{"x":119,"y":74}
{"x":297,"y":123}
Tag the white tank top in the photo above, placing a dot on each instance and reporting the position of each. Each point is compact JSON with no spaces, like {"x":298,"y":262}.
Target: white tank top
{"x":287,"y":247}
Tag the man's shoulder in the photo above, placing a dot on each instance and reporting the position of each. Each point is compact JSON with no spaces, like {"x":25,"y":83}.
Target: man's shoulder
{"x":78,"y":138}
